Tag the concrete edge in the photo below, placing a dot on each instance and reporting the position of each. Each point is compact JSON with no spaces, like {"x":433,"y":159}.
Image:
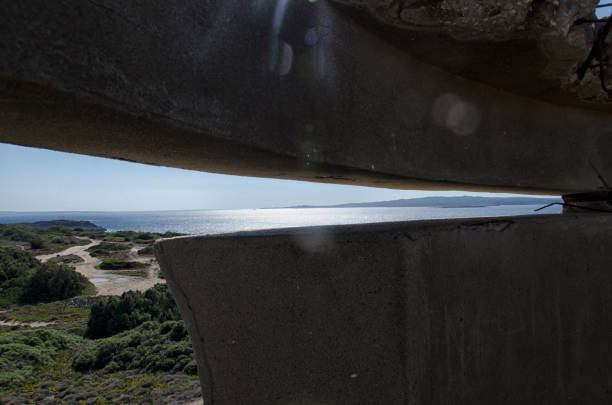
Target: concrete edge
{"x":376,"y":227}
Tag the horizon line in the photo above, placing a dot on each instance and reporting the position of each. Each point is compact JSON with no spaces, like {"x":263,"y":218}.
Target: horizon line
{"x":258,"y":208}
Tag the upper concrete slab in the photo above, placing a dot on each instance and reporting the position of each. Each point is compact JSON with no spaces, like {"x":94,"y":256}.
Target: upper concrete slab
{"x":294,"y":90}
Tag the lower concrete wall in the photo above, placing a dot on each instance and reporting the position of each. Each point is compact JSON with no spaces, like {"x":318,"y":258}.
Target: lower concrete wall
{"x":479,"y":311}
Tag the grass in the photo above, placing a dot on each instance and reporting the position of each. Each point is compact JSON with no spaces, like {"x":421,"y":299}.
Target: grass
{"x":23,"y":351}
{"x":108,"y":249}
{"x":58,"y":382}
{"x":69,"y":315}
{"x":67,"y":259}
{"x":130,"y":273}
{"x":125,"y":268}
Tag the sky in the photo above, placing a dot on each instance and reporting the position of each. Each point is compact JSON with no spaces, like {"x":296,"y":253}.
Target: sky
{"x":34,"y":179}
{"x":604,"y":11}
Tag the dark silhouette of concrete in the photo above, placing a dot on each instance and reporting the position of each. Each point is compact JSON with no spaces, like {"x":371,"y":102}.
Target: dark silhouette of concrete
{"x":481,"y":311}
{"x":487,"y":311}
{"x":301,"y":91}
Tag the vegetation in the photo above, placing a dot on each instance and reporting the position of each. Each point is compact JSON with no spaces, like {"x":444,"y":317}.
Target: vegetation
{"x":69,"y":315}
{"x":152,"y":362}
{"x":87,"y":349}
{"x":68,"y":259}
{"x":150,"y":347}
{"x":118,"y":265}
{"x":15,"y":263}
{"x":56,"y":238}
{"x":23,"y":351}
{"x":24,"y":279}
{"x":48,"y":240}
{"x":146,"y":238}
{"x":108,"y":249}
{"x":146,"y":251}
{"x":116,"y":314}
{"x":57,"y":383}
{"x":53,"y":281}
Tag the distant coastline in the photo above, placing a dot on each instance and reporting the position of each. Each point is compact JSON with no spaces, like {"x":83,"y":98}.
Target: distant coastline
{"x":84,"y":225}
{"x":221,"y":221}
{"x":443,"y":202}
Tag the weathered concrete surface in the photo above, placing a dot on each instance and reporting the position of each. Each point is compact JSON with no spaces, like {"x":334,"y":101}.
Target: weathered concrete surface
{"x":293,"y":90}
{"x":481,"y":311}
{"x":537,"y":43}
{"x":482,"y":19}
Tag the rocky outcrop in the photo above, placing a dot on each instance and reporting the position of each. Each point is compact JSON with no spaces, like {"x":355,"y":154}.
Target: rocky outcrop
{"x":85,"y":225}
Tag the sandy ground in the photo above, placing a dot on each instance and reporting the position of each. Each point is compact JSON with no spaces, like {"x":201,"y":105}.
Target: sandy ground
{"x":28,"y":324}
{"x":115,"y":284}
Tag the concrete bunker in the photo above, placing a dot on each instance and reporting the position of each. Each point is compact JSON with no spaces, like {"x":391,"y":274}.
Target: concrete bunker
{"x":389,"y":94}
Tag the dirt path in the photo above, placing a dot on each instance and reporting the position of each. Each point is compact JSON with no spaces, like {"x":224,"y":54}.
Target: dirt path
{"x":28,"y":324}
{"x":106,"y":282}
{"x":196,"y":402}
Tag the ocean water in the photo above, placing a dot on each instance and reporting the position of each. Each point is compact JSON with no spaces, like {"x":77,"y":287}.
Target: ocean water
{"x":219,"y":221}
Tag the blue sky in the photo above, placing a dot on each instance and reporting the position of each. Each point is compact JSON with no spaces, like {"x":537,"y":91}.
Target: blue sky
{"x":34,"y":179}
{"x":604,"y":11}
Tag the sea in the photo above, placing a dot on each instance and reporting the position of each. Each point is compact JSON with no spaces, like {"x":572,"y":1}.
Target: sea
{"x":222,"y":221}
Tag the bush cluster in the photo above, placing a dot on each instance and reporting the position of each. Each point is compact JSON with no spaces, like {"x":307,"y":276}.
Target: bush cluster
{"x":22,"y":233}
{"x":106,"y":249}
{"x":55,"y":281}
{"x":137,"y":331}
{"x":15,"y":263}
{"x":150,"y":347}
{"x":119,"y":264}
{"x":116,"y":314}
{"x":24,"y":279}
{"x":146,"y":251}
{"x":137,"y":237}
{"x":55,"y":386}
{"x":23,"y":351}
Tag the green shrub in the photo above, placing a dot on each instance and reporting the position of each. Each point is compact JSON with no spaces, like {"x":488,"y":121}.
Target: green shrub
{"x":150,"y":347}
{"x":50,"y":239}
{"x":36,"y":242}
{"x":12,"y":291}
{"x":117,"y":265}
{"x":15,"y":263}
{"x":105,"y":249}
{"x":23,"y":351}
{"x":16,"y":268}
{"x":116,"y":314}
{"x":58,"y":240}
{"x":21,"y":233}
{"x":146,"y":251}
{"x":24,"y":279}
{"x":55,"y":281}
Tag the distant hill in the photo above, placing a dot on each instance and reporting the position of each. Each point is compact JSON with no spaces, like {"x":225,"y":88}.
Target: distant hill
{"x":444,"y":202}
{"x":84,"y":225}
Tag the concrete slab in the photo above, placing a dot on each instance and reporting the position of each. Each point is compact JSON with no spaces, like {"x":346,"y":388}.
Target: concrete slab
{"x":479,"y":311}
{"x":295,"y":90}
